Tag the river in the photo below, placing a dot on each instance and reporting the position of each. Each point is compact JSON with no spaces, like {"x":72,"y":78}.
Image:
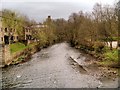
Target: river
{"x":52,"y":68}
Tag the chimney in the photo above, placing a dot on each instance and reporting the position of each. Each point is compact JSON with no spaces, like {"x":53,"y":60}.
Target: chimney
{"x":49,"y":17}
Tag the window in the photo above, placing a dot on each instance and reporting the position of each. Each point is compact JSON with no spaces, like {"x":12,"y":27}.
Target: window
{"x":1,"y":38}
{"x":13,"y":37}
{"x":5,"y":29}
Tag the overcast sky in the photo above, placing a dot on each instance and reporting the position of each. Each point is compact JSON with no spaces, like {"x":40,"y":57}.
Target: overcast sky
{"x":40,"y":9}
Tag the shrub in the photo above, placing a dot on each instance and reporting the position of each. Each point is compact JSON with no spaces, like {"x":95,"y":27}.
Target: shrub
{"x":99,"y":46}
{"x":111,"y":55}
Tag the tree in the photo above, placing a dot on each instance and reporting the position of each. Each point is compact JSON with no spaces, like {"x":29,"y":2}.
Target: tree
{"x":105,"y":19}
{"x":15,"y":21}
{"x":50,"y":30}
{"x":60,"y":28}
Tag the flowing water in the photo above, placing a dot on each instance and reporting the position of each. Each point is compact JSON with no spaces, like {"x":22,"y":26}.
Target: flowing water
{"x":52,"y":68}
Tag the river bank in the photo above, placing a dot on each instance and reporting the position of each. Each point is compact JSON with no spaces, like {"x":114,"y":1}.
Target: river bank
{"x":91,"y":66}
{"x":104,"y":56}
{"x":20,"y":53}
{"x":107,"y":68}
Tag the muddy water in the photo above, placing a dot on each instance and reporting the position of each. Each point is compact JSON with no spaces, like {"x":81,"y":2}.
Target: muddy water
{"x":52,"y":68}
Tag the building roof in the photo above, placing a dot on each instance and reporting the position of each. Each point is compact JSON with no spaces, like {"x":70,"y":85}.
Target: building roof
{"x":39,"y":25}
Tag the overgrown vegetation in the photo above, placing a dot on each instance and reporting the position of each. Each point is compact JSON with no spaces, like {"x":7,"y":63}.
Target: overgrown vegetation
{"x":111,"y":55}
{"x":91,"y":32}
{"x":86,"y":31}
{"x":110,"y":58}
{"x":17,"y":47}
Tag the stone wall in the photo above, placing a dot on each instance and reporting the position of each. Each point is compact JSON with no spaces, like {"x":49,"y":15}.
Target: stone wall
{"x":6,"y":58}
{"x":1,"y":55}
{"x":114,"y":44}
{"x":25,"y":52}
{"x":7,"y":55}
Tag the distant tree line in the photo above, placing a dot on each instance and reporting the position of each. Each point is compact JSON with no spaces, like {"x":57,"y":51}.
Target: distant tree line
{"x":83,"y":30}
{"x":90,"y":30}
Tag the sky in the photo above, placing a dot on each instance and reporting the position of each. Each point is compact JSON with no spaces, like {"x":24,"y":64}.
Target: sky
{"x":40,"y":9}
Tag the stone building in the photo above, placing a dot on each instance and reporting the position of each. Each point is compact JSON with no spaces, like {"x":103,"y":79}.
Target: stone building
{"x":1,"y":34}
{"x":8,"y":35}
{"x":28,"y":33}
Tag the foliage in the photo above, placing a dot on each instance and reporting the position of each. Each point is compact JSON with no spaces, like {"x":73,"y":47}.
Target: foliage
{"x":15,"y":21}
{"x":42,"y":38}
{"x":89,"y":31}
{"x":45,"y":36}
{"x":110,"y":58}
{"x":99,"y":46}
{"x":111,"y":55}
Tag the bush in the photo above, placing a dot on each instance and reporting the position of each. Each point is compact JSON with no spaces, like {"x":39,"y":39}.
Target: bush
{"x":28,"y":51}
{"x":98,"y":46}
{"x":111,"y":55}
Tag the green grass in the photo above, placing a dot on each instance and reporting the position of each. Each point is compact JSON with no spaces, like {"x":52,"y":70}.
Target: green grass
{"x":110,"y":58}
{"x":111,"y":55}
{"x":17,"y":47}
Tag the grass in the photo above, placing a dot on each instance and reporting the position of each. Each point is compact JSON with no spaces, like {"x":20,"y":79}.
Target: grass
{"x":110,"y":58}
{"x":111,"y":55}
{"x":17,"y":47}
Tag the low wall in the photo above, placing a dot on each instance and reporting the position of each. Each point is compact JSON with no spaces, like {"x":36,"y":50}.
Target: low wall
{"x":1,"y":55}
{"x":13,"y":57}
{"x":114,"y":44}
{"x":6,"y":55}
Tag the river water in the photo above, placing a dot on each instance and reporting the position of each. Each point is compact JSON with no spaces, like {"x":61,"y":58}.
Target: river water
{"x":52,"y":68}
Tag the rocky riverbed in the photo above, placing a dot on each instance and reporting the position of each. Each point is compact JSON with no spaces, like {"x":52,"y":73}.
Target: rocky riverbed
{"x":59,"y":66}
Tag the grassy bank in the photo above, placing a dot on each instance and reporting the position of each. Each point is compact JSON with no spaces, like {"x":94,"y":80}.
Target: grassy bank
{"x":21,"y":52}
{"x":17,"y":47}
{"x":110,"y":58}
{"x":104,"y":56}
